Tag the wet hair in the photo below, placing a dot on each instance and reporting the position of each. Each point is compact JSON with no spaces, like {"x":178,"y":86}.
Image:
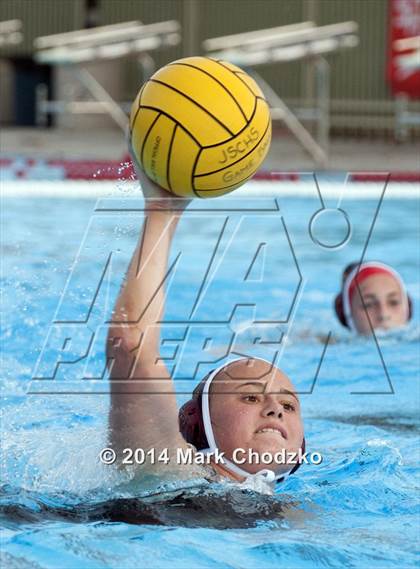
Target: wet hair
{"x":339,"y":303}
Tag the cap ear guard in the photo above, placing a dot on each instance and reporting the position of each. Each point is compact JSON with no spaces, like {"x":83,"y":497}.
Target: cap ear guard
{"x":191,"y":424}
{"x":339,"y":309}
{"x":338,"y":301}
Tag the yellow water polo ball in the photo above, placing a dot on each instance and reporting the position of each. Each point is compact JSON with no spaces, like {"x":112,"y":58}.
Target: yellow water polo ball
{"x":200,"y":127}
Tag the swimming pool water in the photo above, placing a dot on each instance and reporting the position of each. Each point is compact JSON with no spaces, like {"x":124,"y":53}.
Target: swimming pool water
{"x":360,"y":396}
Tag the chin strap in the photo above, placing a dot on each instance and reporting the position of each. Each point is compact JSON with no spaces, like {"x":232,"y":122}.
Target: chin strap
{"x":269,"y":475}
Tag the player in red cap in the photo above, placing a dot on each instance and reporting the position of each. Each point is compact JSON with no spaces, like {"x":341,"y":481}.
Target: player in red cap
{"x":373,"y":296}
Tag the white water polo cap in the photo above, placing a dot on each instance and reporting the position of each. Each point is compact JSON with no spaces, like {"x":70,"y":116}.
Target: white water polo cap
{"x":269,"y":475}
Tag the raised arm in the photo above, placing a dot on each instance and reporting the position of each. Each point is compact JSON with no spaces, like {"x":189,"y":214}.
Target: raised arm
{"x":143,"y":409}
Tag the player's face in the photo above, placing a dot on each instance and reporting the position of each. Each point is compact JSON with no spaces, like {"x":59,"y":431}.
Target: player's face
{"x":378,"y":303}
{"x":258,"y":413}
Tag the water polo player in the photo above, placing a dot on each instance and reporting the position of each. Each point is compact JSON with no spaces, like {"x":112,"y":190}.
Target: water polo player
{"x":246,"y":405}
{"x":373,"y":296}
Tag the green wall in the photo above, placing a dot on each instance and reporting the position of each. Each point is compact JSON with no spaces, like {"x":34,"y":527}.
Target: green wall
{"x":358,"y":83}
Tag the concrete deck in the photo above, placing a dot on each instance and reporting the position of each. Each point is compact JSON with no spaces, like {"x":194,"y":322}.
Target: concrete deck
{"x":285,"y":154}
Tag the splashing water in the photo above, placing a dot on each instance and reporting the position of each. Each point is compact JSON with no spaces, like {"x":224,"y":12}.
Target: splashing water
{"x":61,"y":507}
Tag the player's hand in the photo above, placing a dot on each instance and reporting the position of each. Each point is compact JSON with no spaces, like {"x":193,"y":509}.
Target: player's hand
{"x":155,"y":196}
